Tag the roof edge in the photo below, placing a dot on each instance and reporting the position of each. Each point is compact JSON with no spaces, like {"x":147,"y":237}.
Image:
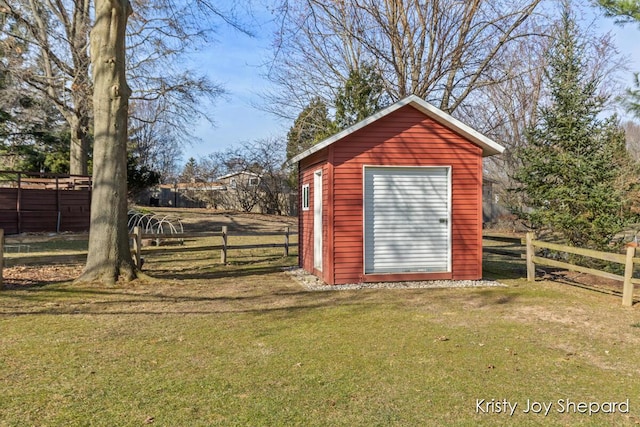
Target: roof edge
{"x":489,"y":146}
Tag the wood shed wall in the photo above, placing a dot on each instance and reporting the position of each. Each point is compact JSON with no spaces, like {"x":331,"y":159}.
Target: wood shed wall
{"x":305,"y":217}
{"x":405,"y":137}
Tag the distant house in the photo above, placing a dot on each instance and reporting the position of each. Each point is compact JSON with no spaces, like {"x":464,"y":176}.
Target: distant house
{"x":234,"y":191}
{"x":241,"y":191}
{"x":239,"y":179}
{"x":194,"y":194}
{"x":397,"y":196}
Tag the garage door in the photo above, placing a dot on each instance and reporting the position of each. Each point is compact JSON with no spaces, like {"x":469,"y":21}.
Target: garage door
{"x":407,"y":219}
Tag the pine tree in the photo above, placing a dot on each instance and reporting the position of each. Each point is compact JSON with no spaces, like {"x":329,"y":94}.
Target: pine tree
{"x":190,"y":171}
{"x":575,"y":166}
{"x":310,"y":127}
{"x":361,"y":96}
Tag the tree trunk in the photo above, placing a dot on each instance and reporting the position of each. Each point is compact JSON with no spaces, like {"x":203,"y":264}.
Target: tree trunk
{"x":78,"y":158}
{"x":109,"y":256}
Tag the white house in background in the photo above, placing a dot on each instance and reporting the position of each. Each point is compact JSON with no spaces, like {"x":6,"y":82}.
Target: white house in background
{"x":239,"y":179}
{"x":241,"y":191}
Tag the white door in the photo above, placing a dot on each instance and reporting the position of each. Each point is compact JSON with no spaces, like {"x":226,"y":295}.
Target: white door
{"x":407,"y":219}
{"x":317,"y":220}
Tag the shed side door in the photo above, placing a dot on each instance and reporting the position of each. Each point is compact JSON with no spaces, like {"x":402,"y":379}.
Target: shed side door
{"x":407,"y":219}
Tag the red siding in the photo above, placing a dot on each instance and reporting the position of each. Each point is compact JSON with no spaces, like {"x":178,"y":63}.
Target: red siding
{"x":305,"y":219}
{"x":405,"y":137}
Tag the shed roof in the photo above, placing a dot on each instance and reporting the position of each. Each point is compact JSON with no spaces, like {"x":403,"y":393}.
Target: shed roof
{"x":489,"y":146}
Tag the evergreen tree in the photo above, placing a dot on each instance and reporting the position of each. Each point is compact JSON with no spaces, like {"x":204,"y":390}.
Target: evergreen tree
{"x":310,"y":127}
{"x":190,"y":171}
{"x":576,"y":174}
{"x":139,"y":177}
{"x":361,"y":96}
{"x":622,"y":10}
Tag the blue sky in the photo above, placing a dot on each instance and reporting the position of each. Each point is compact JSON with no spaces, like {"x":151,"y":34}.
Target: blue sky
{"x":235,"y":61}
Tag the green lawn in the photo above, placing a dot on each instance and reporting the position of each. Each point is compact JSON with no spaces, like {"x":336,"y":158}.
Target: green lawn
{"x":204,"y":344}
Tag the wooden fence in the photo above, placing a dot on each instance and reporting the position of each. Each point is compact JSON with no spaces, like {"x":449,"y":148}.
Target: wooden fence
{"x":503,"y":244}
{"x":137,"y":252}
{"x":629,"y":260}
{"x":138,"y":236}
{"x":36,"y":202}
{"x":518,"y":247}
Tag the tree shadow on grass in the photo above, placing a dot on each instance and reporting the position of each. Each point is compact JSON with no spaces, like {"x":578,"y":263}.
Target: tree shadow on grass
{"x":229,"y":272}
{"x":503,"y":268}
{"x":247,"y":286}
{"x":133,"y":302}
{"x":238,"y":268}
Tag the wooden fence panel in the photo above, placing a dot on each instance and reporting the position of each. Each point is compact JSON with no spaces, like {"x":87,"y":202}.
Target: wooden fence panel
{"x":38,"y":221}
{"x":33,"y":202}
{"x":75,"y":210}
{"x":9,"y":221}
{"x":628,"y":260}
{"x":8,"y":199}
{"x":38,"y":200}
{"x":224,"y":247}
{"x":502,"y":244}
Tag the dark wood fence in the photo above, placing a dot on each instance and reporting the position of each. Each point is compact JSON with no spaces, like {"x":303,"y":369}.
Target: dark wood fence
{"x":39,"y":202}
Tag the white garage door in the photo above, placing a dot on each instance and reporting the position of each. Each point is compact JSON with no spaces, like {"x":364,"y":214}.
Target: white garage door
{"x":407,"y":219}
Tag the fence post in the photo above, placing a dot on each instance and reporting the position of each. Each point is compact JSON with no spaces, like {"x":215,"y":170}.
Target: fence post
{"x":531,"y":268}
{"x":223,"y":251}
{"x":286,"y":241}
{"x":1,"y":256}
{"x":627,"y":288}
{"x":137,"y":247}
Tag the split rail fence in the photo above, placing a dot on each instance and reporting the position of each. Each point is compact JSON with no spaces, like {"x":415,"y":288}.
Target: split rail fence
{"x":629,"y":260}
{"x":137,"y":237}
{"x":526,"y":247}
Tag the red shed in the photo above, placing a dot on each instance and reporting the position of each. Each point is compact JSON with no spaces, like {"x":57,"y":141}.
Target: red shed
{"x":395,"y":197}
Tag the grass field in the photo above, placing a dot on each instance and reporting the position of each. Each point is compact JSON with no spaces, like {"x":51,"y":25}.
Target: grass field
{"x":202,"y":344}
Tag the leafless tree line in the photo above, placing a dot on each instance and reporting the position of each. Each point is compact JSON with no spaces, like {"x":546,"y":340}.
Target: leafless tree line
{"x":45,"y":47}
{"x":481,"y":61}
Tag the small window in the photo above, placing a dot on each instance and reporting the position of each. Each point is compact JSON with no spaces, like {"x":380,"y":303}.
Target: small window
{"x":253,"y":182}
{"x":305,"y":197}
{"x":232,"y":183}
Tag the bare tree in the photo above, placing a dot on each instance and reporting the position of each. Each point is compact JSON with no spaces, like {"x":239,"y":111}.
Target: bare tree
{"x":155,"y":142}
{"x":506,"y":109}
{"x":440,"y":50}
{"x":268,"y":157}
{"x":57,"y":36}
{"x":162,"y":32}
{"x":254,"y":175}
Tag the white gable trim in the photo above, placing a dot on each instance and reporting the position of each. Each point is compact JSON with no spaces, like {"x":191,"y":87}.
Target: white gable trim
{"x":489,"y":146}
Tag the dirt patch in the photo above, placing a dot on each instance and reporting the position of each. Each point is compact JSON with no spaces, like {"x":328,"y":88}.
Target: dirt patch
{"x":586,"y":281}
{"x":28,"y":276}
{"x":193,"y":220}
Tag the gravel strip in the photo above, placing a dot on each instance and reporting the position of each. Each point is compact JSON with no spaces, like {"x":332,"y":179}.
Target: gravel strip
{"x":313,"y":283}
